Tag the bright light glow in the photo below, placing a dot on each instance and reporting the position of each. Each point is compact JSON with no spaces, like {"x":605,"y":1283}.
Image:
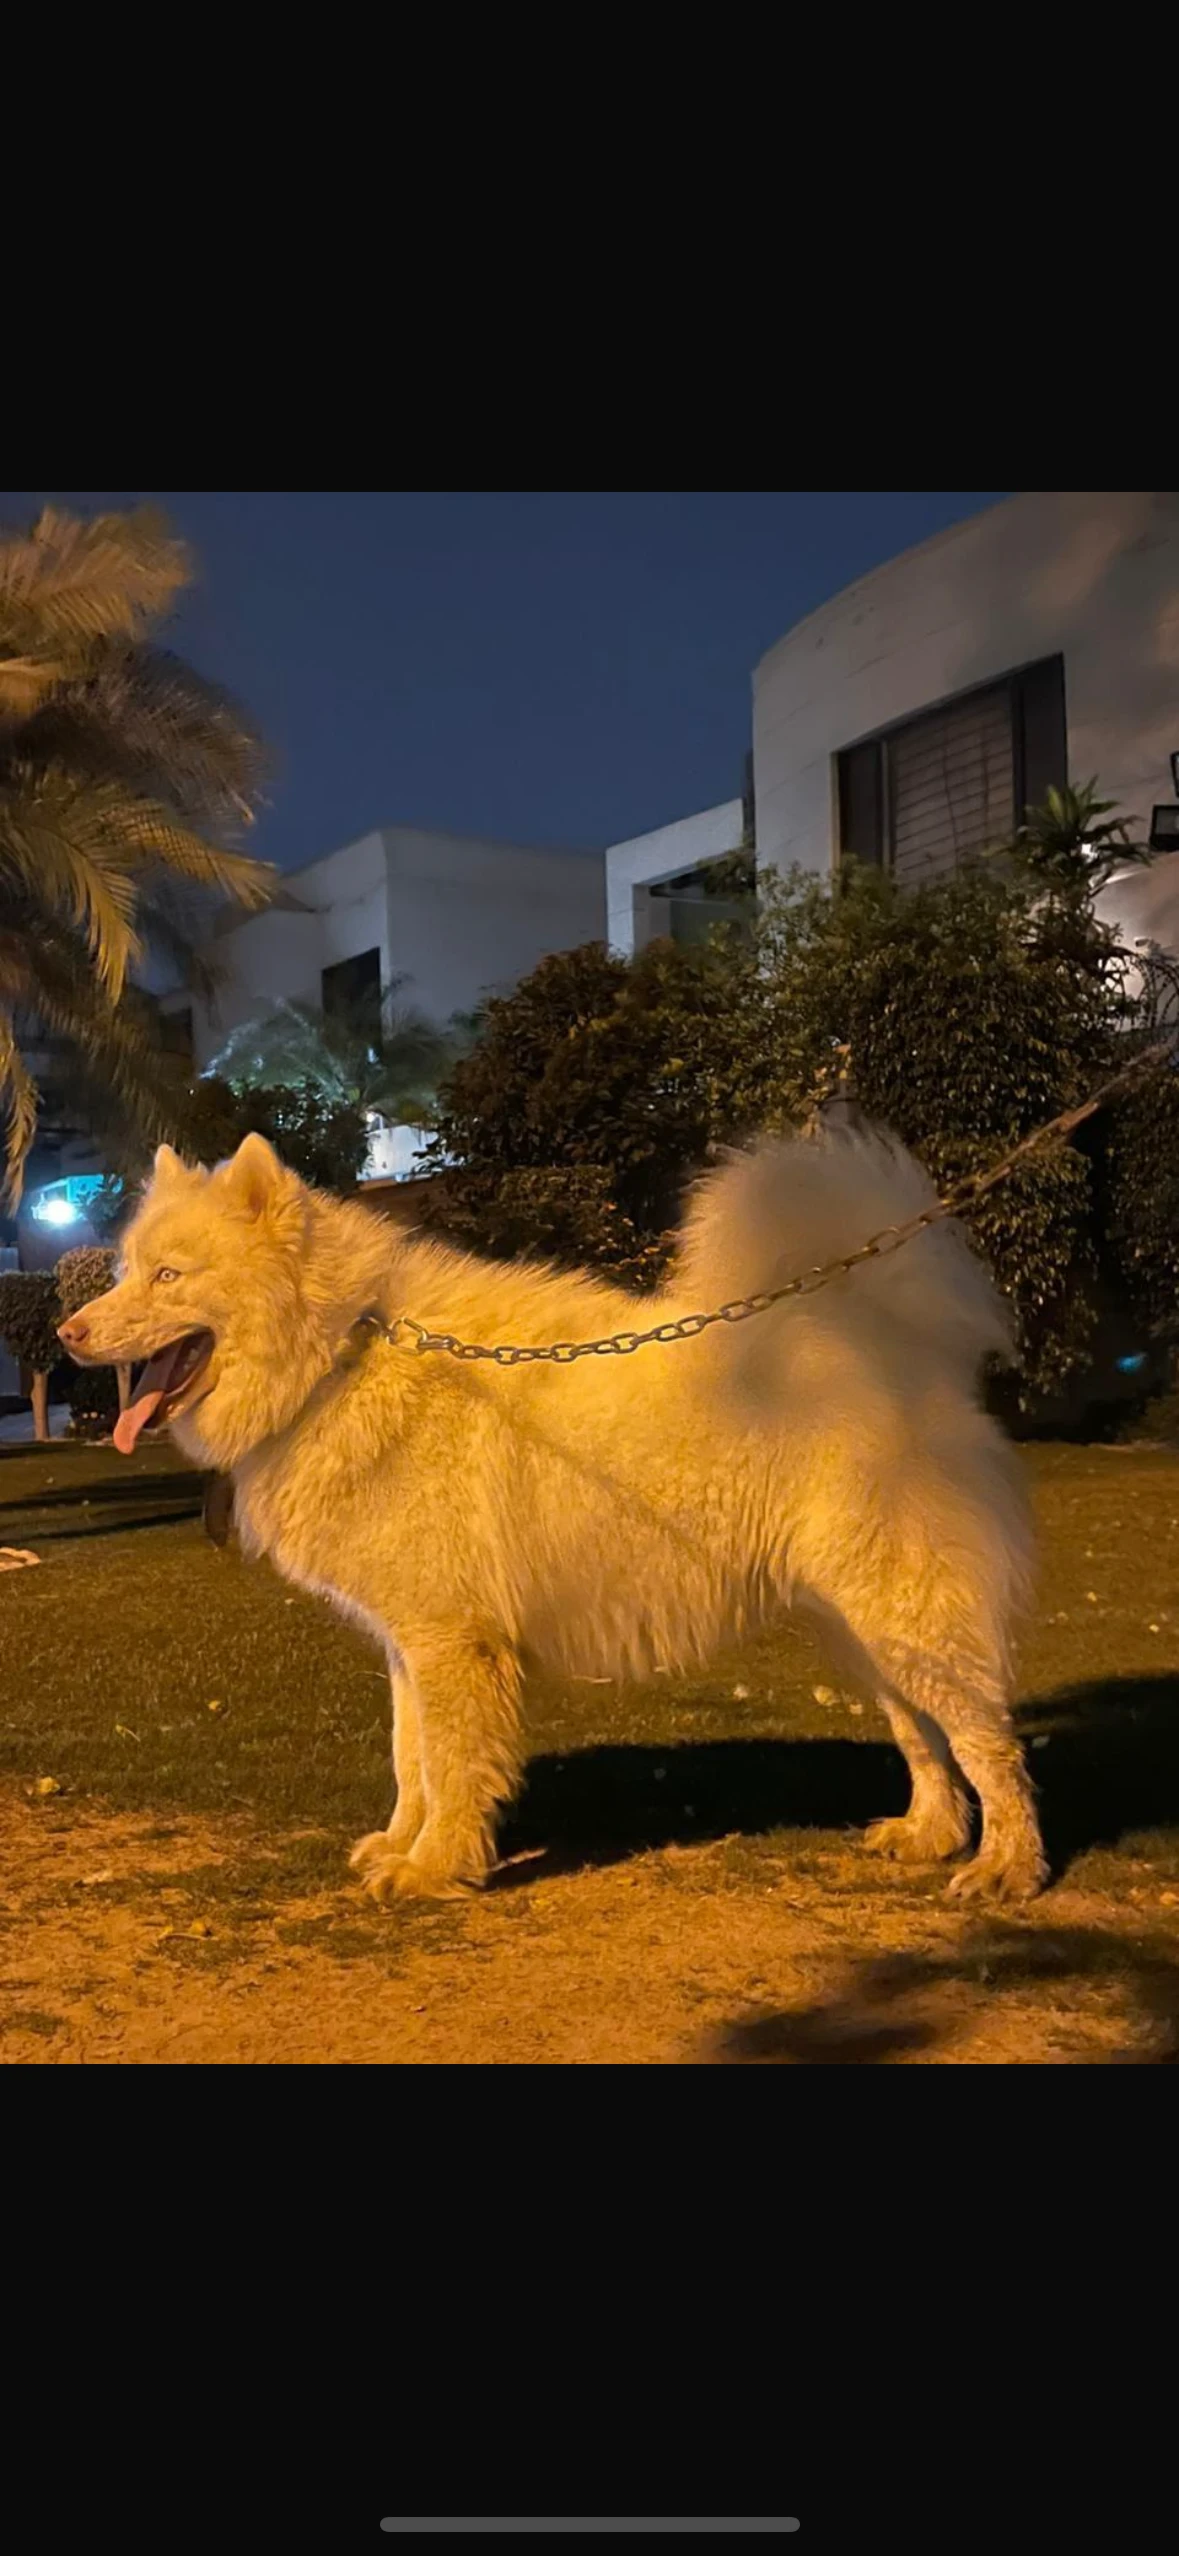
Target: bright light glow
{"x":56,"y":1211}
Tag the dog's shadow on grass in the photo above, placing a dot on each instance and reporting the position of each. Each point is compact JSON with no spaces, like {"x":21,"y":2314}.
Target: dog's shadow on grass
{"x":1109,"y":1762}
{"x":1110,"y":1765}
{"x":905,"y":2005}
{"x":601,"y":1805}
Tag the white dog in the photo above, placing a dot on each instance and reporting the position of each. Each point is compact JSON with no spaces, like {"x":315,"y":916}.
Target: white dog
{"x":830,"y":1456}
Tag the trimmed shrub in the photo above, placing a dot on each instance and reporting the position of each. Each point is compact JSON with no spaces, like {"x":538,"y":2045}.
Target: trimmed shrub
{"x":94,"y":1391}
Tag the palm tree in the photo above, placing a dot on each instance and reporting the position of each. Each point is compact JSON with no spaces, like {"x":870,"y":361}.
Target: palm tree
{"x":125,"y":778}
{"x":373,"y":1052}
{"x":1075,"y":841}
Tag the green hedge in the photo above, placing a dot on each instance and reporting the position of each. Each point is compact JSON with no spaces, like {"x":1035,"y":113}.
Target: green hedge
{"x":30,"y":1311}
{"x":83,"y":1274}
{"x":32,"y":1303}
{"x":93,"y":1391}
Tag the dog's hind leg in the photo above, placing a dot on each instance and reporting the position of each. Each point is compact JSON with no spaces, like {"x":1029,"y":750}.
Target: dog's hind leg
{"x":463,"y":1742}
{"x":1011,"y":1859}
{"x":929,"y":1620}
{"x":937,"y":1822}
{"x":965,"y":1697}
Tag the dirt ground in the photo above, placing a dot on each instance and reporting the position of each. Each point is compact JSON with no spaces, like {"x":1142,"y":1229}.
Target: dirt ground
{"x":188,"y":1748}
{"x":610,"y":1967}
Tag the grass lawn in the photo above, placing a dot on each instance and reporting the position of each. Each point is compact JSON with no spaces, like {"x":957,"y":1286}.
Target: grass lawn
{"x":680,"y":1883}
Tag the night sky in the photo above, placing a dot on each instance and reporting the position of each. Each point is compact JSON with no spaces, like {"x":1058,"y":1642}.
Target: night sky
{"x":560,"y":669}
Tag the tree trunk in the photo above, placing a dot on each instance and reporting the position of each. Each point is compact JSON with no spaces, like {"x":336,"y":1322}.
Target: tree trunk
{"x":123,"y":1379}
{"x":40,"y":1399}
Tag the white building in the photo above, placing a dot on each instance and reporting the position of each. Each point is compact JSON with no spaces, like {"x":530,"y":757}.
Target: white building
{"x":456,"y":917}
{"x":912,"y":719}
{"x":453,"y":915}
{"x":637,"y":871}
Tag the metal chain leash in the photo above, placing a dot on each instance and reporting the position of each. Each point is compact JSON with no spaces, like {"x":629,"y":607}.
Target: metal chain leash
{"x":959,"y":1201}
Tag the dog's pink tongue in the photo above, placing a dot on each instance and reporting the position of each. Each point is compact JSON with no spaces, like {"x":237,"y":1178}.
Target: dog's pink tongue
{"x":135,"y":1418}
{"x":149,"y":1393}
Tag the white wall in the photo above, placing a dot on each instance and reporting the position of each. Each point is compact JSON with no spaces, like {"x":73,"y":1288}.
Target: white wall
{"x":633,"y":867}
{"x":271,"y":953}
{"x":337,"y":907}
{"x":1093,"y":576}
{"x":347,"y":891}
{"x":393,"y":1151}
{"x":1143,"y":905}
{"x":457,"y":916}
{"x":468,"y":917}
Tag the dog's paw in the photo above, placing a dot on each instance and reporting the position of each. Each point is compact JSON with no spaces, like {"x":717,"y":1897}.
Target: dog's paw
{"x":386,"y":1873}
{"x":920,"y":1837}
{"x":1004,"y":1873}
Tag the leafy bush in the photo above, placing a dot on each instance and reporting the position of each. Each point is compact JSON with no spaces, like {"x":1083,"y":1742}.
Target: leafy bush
{"x":593,"y":1091}
{"x":29,"y":1316}
{"x":83,"y":1274}
{"x":93,"y":1391}
{"x":564,"y":1214}
{"x":323,"y":1139}
{"x":972,"y":1012}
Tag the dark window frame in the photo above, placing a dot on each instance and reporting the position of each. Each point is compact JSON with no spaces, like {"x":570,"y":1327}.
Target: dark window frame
{"x":1037,"y":706}
{"x":176,"y":1033}
{"x":351,"y":982}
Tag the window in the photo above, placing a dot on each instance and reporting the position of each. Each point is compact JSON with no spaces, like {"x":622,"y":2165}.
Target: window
{"x":176,"y":1034}
{"x":352,"y":981}
{"x":687,"y":909}
{"x":924,"y":797}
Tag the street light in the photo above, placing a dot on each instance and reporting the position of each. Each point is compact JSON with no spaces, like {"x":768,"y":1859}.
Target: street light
{"x":54,"y":1209}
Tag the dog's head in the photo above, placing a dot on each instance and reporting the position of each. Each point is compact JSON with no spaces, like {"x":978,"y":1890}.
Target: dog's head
{"x":211,"y":1295}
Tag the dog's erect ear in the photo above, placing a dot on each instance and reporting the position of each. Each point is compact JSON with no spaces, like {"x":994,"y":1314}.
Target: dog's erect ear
{"x":254,"y":1178}
{"x":167,"y":1164}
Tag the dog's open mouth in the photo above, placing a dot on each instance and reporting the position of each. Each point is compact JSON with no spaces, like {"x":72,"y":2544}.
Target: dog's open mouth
{"x":165,"y":1386}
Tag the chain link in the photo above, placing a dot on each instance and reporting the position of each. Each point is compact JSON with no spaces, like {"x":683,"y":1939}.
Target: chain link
{"x":959,"y":1201}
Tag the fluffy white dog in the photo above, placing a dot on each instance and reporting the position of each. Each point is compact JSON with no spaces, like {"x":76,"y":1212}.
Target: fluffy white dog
{"x":829,"y":1456}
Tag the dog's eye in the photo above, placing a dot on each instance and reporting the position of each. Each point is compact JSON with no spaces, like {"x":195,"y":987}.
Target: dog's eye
{"x":162,"y":1276}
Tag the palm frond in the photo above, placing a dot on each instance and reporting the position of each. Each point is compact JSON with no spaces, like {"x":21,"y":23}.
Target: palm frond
{"x":55,"y":843}
{"x":48,"y":985}
{"x":73,"y":580}
{"x":142,"y":716}
{"x":92,"y":848}
{"x":149,"y":832}
{"x":25,"y":683}
{"x":125,"y":779}
{"x":373,"y":1053}
{"x":19,"y":1093}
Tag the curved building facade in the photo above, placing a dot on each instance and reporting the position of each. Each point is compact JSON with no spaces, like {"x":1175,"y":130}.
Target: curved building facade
{"x":912,"y":719}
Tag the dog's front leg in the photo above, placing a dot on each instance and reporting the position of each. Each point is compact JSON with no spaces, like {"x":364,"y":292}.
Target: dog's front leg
{"x":457,"y":1759}
{"x":409,"y":1814}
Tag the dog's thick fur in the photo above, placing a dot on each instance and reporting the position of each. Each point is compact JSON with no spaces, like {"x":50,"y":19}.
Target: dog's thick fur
{"x":600,"y":1517}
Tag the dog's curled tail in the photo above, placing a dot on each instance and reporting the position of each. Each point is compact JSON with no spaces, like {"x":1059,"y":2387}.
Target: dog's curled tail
{"x":788,"y":1206}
